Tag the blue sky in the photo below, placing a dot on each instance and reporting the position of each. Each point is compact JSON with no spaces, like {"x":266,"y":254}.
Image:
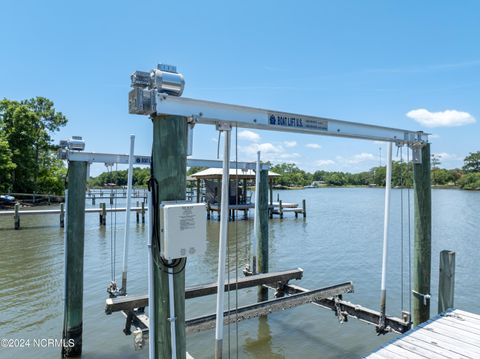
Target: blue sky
{"x":366,"y":61}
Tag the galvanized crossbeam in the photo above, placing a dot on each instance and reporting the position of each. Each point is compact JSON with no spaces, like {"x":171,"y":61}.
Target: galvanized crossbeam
{"x":208,"y":112}
{"x":131,"y":302}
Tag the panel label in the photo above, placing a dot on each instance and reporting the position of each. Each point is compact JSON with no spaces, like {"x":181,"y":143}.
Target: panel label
{"x":292,"y":121}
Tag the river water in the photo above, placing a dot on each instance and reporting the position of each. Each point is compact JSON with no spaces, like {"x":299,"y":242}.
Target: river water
{"x":340,"y":240}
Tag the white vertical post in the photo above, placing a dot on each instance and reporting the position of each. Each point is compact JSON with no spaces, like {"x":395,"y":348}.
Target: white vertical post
{"x":171,"y":300}
{"x":151,"y":311}
{"x":222,"y":249}
{"x":256,"y":218}
{"x":123,"y":290}
{"x":386,"y":225}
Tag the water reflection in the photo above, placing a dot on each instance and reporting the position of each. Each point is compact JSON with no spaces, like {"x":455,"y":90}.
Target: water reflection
{"x":261,"y":346}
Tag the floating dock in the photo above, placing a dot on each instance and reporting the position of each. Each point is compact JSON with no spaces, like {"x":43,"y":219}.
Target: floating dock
{"x":453,"y":334}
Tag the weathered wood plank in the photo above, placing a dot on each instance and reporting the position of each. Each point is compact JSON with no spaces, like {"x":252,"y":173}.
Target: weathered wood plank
{"x":447,"y":335}
{"x":427,"y":353}
{"x":434,"y":347}
{"x":401,"y":353}
{"x":460,"y":336}
{"x":467,"y":314}
{"x":446,"y":343}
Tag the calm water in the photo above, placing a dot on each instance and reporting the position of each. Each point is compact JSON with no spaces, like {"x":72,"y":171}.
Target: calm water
{"x":340,"y":240}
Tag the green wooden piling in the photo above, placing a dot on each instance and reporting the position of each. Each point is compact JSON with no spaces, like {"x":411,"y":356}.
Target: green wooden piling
{"x":143,"y":212}
{"x":304,"y":207}
{"x":74,"y":248}
{"x":169,"y":169}
{"x":280,"y":208}
{"x":446,"y":282}
{"x":16,"y":217}
{"x":62,"y":215}
{"x":422,"y":256}
{"x":262,"y":232}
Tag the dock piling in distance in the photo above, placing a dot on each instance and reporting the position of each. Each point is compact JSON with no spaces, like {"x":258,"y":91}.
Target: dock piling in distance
{"x":446,"y":282}
{"x":103,"y":214}
{"x":143,"y":212}
{"x":280,"y":208}
{"x":74,"y":252}
{"x":304,"y":207}
{"x":137,"y":214}
{"x":422,"y":252}
{"x":16,"y":217}
{"x":62,"y":215}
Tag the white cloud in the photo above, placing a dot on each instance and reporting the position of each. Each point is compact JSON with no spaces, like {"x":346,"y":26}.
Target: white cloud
{"x":447,"y":118}
{"x":249,"y":135}
{"x":269,"y":152}
{"x":444,"y":156}
{"x":290,"y":143}
{"x":361,"y":157}
{"x":315,"y":146}
{"x":324,"y":163}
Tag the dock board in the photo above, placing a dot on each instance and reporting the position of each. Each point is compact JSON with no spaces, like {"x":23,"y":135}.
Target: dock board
{"x":452,"y":335}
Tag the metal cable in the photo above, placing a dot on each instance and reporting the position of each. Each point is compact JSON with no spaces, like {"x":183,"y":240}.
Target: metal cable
{"x":409,"y":238}
{"x":115,"y":229}
{"x":236,"y":240}
{"x":228,"y":264}
{"x":112,"y":266}
{"x":402,"y":294}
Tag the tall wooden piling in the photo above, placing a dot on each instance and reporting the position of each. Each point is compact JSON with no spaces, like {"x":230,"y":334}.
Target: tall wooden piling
{"x":74,"y":248}
{"x":422,"y":256}
{"x":16,"y":217}
{"x":143,"y":212}
{"x":446,"y":282}
{"x":169,"y":170}
{"x":262,"y":232}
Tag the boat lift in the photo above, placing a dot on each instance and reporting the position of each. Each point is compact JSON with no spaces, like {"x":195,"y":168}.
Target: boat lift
{"x":157,"y":94}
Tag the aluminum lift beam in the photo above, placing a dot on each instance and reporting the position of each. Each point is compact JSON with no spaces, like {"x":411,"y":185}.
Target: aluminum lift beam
{"x":94,"y":157}
{"x":208,"y":112}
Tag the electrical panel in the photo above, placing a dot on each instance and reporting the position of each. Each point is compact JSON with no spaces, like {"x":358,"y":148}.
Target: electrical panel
{"x":183,"y":229}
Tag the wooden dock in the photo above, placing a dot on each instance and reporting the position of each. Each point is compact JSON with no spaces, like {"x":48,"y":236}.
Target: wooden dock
{"x":275,"y":208}
{"x":454,"y":334}
{"x":102,"y":211}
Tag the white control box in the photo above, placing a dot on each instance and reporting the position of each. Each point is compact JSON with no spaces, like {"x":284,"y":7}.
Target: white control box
{"x":183,"y":229}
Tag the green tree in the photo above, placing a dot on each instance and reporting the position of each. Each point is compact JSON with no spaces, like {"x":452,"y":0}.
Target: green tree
{"x":470,"y":181}
{"x":6,"y":164}
{"x":28,"y":126}
{"x":472,"y":162}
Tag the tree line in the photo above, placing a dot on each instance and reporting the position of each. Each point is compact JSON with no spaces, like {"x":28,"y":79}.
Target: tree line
{"x":468,"y":177}
{"x":28,"y":160}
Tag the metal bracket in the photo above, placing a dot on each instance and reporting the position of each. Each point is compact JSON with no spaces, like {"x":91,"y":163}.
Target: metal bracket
{"x":424,"y":296}
{"x":223,"y":126}
{"x":342,"y":317}
{"x":191,"y":121}
{"x":417,"y":152}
